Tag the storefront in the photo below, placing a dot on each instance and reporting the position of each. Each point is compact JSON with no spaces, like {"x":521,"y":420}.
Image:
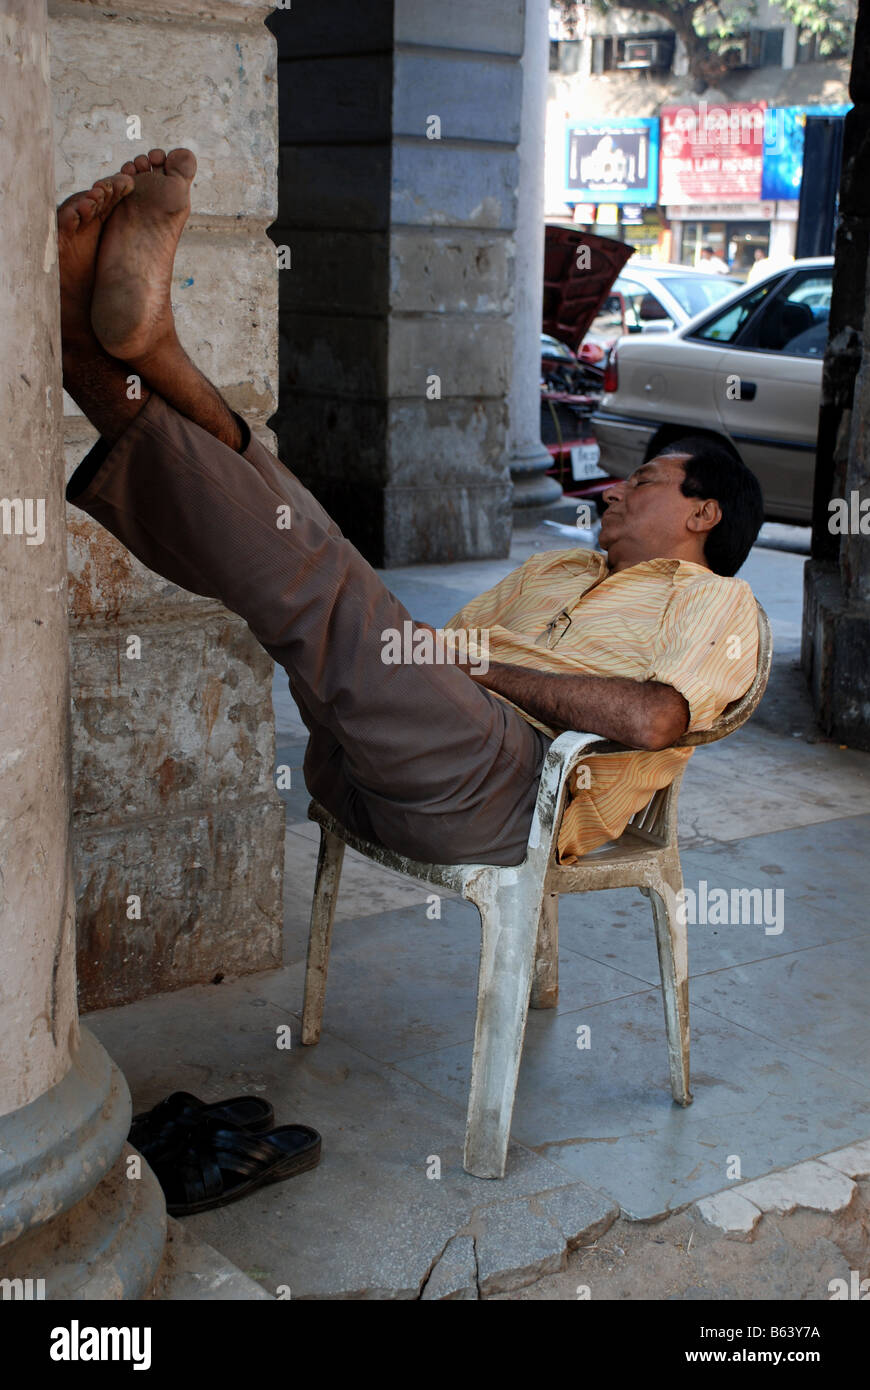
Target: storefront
{"x":648,"y":231}
{"x":735,"y":233}
{"x":711,"y":168}
{"x":730,"y":179}
{"x":727,"y":177}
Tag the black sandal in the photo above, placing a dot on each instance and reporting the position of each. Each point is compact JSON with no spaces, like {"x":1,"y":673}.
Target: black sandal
{"x":214,"y":1164}
{"x":159,"y":1129}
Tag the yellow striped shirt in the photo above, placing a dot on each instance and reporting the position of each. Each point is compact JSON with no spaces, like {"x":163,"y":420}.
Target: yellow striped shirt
{"x":663,"y":620}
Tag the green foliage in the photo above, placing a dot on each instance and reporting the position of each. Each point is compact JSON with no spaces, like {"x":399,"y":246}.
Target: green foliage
{"x":708,"y":28}
{"x":831,"y":20}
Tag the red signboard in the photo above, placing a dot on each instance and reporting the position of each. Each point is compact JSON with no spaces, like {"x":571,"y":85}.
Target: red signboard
{"x":712,"y":154}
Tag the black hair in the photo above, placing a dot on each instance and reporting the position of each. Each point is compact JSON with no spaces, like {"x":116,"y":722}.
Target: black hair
{"x":713,"y":471}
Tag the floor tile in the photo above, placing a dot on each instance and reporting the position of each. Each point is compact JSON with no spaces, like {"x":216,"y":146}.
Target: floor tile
{"x":606,"y":1113}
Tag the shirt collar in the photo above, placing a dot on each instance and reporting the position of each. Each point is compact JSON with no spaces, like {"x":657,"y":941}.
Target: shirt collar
{"x":580,"y":560}
{"x":677,"y":569}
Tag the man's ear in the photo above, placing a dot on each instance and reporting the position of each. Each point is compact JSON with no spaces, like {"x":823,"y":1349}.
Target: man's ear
{"x":705,"y":515}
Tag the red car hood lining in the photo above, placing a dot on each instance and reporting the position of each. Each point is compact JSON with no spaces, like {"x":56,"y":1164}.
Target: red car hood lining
{"x":574,"y":293}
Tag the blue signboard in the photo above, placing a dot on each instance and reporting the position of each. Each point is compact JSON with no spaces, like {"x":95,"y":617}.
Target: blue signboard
{"x":615,"y":161}
{"x":783,"y":153}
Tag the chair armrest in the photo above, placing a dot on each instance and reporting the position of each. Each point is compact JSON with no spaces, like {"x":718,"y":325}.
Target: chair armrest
{"x":562,"y":757}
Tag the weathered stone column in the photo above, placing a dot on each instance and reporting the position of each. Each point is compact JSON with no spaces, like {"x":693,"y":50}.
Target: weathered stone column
{"x":529,"y":459}
{"x":836,"y":624}
{"x":69,"y":1213}
{"x":178,"y":830}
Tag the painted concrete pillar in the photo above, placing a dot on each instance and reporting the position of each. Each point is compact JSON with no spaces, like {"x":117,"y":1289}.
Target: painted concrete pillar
{"x":398,"y":179}
{"x":529,"y":459}
{"x":69,"y":1213}
{"x":836,"y":621}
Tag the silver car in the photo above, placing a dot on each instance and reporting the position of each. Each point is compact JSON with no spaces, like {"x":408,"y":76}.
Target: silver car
{"x":650,"y":297}
{"x":747,"y":373}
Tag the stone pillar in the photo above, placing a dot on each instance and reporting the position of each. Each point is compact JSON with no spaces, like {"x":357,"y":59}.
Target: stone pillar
{"x":69,"y":1213}
{"x":178,"y":827}
{"x":836,"y":623}
{"x":529,"y":459}
{"x":789,"y":46}
{"x":585,"y":67}
{"x":400,"y":122}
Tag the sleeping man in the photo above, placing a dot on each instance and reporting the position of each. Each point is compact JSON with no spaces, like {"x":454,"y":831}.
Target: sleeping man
{"x":439,"y":760}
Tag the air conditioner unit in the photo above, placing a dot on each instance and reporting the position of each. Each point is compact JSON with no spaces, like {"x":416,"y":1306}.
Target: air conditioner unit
{"x":645,"y":53}
{"x":745,"y":52}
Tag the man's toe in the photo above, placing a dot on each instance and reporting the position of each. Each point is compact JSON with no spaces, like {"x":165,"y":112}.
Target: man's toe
{"x":181,"y":161}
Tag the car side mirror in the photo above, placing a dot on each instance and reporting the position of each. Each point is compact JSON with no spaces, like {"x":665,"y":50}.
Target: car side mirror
{"x":650,"y":308}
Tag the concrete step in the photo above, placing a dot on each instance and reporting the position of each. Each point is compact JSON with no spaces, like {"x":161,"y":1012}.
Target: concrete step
{"x":192,"y":1269}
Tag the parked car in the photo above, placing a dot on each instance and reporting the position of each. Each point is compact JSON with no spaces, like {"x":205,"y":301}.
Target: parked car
{"x":657,"y":298}
{"x":579,"y":271}
{"x":571,"y":391}
{"x":747,"y":373}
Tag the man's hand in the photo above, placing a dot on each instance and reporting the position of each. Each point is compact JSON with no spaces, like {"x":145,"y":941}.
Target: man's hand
{"x":640,"y":714}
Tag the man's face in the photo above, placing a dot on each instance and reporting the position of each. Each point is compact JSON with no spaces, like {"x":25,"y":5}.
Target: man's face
{"x":647,"y":516}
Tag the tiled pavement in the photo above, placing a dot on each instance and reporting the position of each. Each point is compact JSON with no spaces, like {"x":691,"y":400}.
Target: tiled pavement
{"x":779,"y":1021}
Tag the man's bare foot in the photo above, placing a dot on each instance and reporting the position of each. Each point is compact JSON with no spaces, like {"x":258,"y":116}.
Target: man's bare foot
{"x":80,"y":221}
{"x":131,"y":310}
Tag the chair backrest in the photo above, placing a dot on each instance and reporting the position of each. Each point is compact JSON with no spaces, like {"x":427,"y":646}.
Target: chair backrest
{"x":657,"y":820}
{"x":738,"y":711}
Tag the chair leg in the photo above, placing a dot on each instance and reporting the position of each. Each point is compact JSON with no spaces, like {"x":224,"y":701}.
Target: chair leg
{"x":545,"y":980}
{"x":329,"y":862}
{"x":509,"y":919}
{"x":673,"y":951}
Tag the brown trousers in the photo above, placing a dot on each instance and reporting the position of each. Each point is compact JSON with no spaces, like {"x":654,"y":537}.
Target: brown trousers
{"x":420,"y":759}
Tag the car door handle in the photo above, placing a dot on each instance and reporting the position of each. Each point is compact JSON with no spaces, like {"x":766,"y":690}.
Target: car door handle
{"x":747,"y":390}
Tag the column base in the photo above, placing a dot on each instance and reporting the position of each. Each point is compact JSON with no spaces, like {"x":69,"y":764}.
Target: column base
{"x":108,"y":1246}
{"x":532,"y":486}
{"x":69,"y":1214}
{"x":53,"y":1151}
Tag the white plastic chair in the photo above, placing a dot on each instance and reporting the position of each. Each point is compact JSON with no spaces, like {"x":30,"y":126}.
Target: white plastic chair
{"x":519,"y":920}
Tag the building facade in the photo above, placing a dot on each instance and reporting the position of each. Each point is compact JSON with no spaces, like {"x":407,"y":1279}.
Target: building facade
{"x":633,"y":152}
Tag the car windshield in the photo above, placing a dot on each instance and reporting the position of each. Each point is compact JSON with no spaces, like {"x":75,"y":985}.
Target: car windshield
{"x":695,"y":293}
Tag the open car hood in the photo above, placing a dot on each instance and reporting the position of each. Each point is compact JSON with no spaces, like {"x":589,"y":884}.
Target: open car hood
{"x":574,"y":293}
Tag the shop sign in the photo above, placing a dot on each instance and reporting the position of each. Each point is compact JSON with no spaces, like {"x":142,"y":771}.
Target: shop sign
{"x":613,"y":161}
{"x":783,"y":163}
{"x":712,"y":154}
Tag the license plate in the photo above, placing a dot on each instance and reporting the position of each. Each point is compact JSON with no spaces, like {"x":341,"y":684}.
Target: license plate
{"x":584,"y":462}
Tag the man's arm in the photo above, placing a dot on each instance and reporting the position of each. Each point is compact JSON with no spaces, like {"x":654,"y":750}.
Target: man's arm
{"x":640,"y":714}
